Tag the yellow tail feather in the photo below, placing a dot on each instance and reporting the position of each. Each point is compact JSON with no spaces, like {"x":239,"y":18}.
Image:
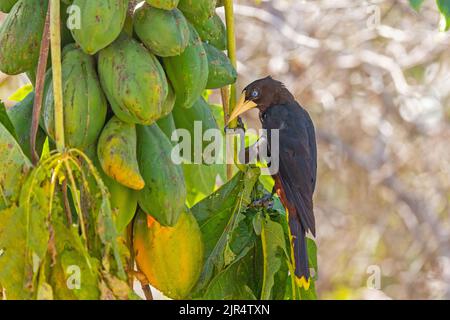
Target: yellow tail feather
{"x":302,"y":282}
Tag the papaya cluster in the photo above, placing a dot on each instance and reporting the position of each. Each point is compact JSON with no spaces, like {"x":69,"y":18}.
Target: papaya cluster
{"x":130,"y":77}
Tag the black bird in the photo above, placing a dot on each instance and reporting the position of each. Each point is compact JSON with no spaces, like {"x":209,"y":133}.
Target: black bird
{"x":296,"y":179}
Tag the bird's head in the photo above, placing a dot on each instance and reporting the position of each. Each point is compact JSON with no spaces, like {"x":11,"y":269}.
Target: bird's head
{"x":262,"y":94}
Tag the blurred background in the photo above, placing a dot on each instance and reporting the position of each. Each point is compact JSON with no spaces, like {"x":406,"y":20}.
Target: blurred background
{"x":375,"y":78}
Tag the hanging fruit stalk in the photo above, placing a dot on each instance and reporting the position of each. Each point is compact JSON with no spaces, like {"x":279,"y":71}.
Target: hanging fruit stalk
{"x":231,"y":43}
{"x":37,"y":105}
{"x":231,"y":48}
{"x":55,"y":44}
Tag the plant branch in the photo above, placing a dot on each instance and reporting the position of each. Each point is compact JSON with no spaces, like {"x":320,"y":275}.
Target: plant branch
{"x":230,"y":93}
{"x":39,"y":87}
{"x":55,"y":41}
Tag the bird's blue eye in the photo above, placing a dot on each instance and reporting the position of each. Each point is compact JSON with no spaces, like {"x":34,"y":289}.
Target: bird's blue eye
{"x":255,"y":93}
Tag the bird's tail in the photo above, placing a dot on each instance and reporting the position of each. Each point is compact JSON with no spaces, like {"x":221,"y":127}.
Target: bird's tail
{"x":302,"y":274}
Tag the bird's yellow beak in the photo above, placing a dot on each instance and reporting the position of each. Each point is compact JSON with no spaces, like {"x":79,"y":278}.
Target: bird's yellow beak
{"x":241,"y":107}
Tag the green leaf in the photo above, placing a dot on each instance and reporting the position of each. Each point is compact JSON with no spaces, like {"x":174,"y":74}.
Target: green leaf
{"x":21,"y":93}
{"x":24,"y":239}
{"x":444,"y":8}
{"x":267,"y":181}
{"x":12,"y":254}
{"x":74,"y":259}
{"x":200,"y":181}
{"x":44,"y":290}
{"x":309,"y":294}
{"x":416,"y":4}
{"x":6,"y":121}
{"x":13,"y":169}
{"x":294,"y":291}
{"x":217,"y":111}
{"x":233,"y":282}
{"x":21,"y":116}
{"x":218,"y":217}
{"x":275,"y":254}
{"x":312,"y":255}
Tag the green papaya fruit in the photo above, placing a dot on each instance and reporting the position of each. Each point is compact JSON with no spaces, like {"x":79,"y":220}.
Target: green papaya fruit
{"x":221,"y":71}
{"x":117,"y":153}
{"x":188,"y":72}
{"x":6,"y":5}
{"x":171,"y":258}
{"x":47,"y":85}
{"x":84,"y":103}
{"x":101,"y":23}
{"x":133,"y":80}
{"x":213,"y":31}
{"x":123,"y":202}
{"x":197,"y":10}
{"x":21,"y":117}
{"x":163,"y":4}
{"x":66,"y":38}
{"x":169,"y":103}
{"x":167,"y":125}
{"x":164,"y":194}
{"x":151,"y":23}
{"x":199,"y":115}
{"x":128,"y":25}
{"x":20,"y":36}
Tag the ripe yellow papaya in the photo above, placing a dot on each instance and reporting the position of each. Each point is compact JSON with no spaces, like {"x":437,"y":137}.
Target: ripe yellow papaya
{"x":101,"y":23}
{"x":212,"y":31}
{"x":84,"y":103}
{"x":133,"y":80}
{"x":151,"y":23}
{"x":221,"y":71}
{"x":20,"y":36}
{"x":116,"y":152}
{"x":6,"y":5}
{"x":163,"y":4}
{"x":198,"y":10}
{"x":186,"y":119}
{"x":170,"y":257}
{"x":20,"y":116}
{"x":164,"y":193}
{"x":188,"y":72}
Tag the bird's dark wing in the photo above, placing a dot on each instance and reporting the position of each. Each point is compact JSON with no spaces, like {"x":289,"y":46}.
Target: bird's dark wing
{"x":297,"y":159}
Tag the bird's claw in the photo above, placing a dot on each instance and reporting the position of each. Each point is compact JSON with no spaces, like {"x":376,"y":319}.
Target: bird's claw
{"x":265,"y":202}
{"x":240,"y":125}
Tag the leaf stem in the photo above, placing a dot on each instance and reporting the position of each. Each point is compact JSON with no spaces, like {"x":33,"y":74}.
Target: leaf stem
{"x":39,"y":87}
{"x":55,"y":41}
{"x":231,"y":48}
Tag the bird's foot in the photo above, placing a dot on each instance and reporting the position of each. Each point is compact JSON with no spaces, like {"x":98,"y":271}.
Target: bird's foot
{"x":240,"y":125}
{"x":265,"y":202}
